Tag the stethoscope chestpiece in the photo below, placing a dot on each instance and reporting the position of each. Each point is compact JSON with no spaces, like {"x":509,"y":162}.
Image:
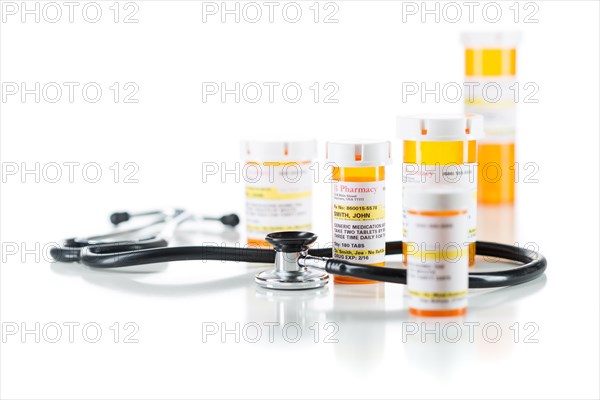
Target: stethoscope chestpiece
{"x":288,"y":274}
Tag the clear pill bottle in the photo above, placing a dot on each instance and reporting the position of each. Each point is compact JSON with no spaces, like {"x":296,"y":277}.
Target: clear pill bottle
{"x":491,"y":90}
{"x":442,"y":150}
{"x":435,"y":227}
{"x":278,"y":184}
{"x":358,"y":202}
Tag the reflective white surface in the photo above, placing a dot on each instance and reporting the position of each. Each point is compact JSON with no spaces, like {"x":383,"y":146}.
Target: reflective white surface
{"x":346,"y":340}
{"x":170,"y":134}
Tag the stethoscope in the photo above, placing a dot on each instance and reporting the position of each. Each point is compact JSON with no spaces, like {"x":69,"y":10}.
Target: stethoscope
{"x":296,"y":265}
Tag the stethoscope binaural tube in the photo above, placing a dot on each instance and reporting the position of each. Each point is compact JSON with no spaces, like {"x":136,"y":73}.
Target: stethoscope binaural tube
{"x":169,"y":220}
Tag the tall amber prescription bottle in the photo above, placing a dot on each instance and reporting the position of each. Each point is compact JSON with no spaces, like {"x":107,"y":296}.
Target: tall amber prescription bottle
{"x":490,"y":90}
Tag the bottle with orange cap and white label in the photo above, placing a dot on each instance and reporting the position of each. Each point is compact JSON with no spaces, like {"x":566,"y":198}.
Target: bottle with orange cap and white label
{"x":442,"y":150}
{"x":358,"y":202}
{"x":436,"y":253}
{"x":490,"y":90}
{"x":278,"y":186}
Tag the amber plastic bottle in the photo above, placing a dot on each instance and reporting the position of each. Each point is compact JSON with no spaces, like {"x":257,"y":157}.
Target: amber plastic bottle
{"x":358,"y":202}
{"x":278,"y":187}
{"x":435,"y":233}
{"x":442,"y":150}
{"x":491,"y":64}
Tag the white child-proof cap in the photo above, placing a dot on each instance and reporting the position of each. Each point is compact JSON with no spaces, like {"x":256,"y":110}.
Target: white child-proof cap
{"x":436,"y":198}
{"x":266,"y":150}
{"x":491,"y":39}
{"x":440,"y":128}
{"x":359,"y":153}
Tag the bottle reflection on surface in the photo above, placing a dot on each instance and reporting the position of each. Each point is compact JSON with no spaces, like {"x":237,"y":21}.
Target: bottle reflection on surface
{"x":496,"y":223}
{"x":359,"y":311}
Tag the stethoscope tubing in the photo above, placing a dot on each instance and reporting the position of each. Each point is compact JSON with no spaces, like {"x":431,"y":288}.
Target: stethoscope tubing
{"x":154,"y":250}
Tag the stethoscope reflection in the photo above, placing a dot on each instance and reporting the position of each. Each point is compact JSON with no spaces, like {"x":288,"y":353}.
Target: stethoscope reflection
{"x":362,"y":323}
{"x":295,"y":317}
{"x":135,"y":280}
{"x":367,"y":316}
{"x":339,"y":316}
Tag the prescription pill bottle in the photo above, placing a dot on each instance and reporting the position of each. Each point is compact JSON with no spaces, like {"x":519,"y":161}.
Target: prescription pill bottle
{"x":491,"y":90}
{"x":442,"y":150}
{"x":278,"y":184}
{"x":358,"y":202}
{"x":435,"y":234}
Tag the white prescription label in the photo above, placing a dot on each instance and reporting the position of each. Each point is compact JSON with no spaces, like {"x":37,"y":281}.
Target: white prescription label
{"x":437,"y":261}
{"x":359,"y":221}
{"x":494,"y":98}
{"x":454,"y":174}
{"x":278,"y":198}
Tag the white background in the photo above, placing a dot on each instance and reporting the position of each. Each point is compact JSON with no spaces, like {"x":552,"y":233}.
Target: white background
{"x":170,"y":132}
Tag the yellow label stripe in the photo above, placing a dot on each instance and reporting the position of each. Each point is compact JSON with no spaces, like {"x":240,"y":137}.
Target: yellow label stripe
{"x":358,"y":213}
{"x":486,"y":103}
{"x":268,"y":229}
{"x":431,"y":295}
{"x":274,"y":194}
{"x":347,"y":252}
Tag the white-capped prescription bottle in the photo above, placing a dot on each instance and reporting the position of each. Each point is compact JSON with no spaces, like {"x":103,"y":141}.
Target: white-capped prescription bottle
{"x":358,"y":201}
{"x":442,"y":150}
{"x":491,"y":90}
{"x":435,"y":227}
{"x":279,"y":185}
